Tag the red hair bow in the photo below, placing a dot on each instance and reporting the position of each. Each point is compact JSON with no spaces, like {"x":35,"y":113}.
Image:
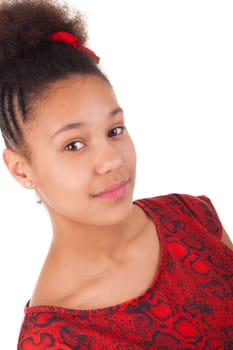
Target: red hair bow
{"x":70,"y":39}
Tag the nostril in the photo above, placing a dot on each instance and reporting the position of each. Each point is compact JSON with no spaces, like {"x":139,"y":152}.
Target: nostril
{"x":119,"y":162}
{"x":109,"y":165}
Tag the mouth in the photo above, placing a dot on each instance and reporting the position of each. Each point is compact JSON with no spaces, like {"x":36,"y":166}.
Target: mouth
{"x":117,"y":190}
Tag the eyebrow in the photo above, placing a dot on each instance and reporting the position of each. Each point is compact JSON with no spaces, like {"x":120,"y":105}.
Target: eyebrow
{"x":77,"y":125}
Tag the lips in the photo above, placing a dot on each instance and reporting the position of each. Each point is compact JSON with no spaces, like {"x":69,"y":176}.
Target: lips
{"x":111,"y":188}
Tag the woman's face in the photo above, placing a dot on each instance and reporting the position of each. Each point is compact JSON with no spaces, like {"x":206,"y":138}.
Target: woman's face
{"x":80,"y":147}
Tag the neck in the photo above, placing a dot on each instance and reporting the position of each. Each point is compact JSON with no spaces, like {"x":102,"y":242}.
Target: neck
{"x":75,"y":241}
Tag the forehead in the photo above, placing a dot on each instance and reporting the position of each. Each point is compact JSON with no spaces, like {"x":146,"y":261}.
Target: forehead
{"x":77,"y":97}
{"x":79,"y":92}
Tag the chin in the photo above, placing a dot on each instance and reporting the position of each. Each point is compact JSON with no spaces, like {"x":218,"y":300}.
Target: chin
{"x":113,"y":213}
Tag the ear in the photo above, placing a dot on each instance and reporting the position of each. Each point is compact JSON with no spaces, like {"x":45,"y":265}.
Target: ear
{"x":18,"y":167}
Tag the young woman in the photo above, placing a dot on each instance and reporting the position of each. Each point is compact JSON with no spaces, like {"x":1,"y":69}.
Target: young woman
{"x":155,"y":273}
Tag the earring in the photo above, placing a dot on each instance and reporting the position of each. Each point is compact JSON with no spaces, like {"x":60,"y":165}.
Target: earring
{"x":29,"y":183}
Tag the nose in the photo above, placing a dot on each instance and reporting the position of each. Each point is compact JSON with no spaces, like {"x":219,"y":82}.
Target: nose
{"x":107,"y":159}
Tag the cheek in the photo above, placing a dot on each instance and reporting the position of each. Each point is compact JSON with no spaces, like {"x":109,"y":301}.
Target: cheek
{"x":63,"y":174}
{"x":68,"y":176}
{"x":129,"y":155}
{"x":65,"y":190}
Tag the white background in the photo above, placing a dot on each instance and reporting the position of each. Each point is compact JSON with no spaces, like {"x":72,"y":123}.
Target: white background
{"x":171,"y":64}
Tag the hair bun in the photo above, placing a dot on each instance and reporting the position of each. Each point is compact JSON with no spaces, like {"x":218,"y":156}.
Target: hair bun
{"x":27,"y":24}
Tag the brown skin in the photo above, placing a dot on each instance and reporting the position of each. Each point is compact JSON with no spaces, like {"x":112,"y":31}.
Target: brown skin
{"x":97,"y":243}
{"x":226,"y":240}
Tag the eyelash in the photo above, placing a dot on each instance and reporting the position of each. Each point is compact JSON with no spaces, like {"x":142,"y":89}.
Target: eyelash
{"x":67,"y":147}
{"x":118,"y":127}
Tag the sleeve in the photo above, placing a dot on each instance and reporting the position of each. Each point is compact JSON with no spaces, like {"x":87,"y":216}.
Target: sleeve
{"x":212,"y":216}
{"x":40,"y":333}
{"x":203,"y":210}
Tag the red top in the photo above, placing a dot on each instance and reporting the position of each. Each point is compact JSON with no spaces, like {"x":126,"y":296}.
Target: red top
{"x":188,"y":306}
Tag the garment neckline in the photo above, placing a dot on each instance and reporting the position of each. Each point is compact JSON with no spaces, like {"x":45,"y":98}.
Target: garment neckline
{"x":142,"y":203}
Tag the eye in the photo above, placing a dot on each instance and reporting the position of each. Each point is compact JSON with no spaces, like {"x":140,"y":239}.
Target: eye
{"x":116,"y":131}
{"x":74,"y":146}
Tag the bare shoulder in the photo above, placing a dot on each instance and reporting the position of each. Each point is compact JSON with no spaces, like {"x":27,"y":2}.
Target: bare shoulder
{"x":226,"y":239}
{"x":43,"y":291}
{"x":50,"y":285}
{"x":138,"y":268}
